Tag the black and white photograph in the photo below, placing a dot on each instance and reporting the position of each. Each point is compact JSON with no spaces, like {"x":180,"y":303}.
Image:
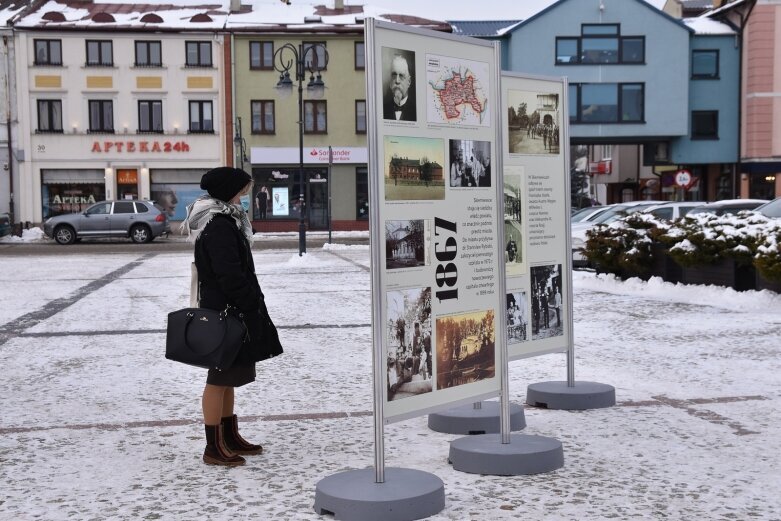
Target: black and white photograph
{"x":413,"y":168}
{"x":470,"y":163}
{"x":465,"y":348}
{"x":398,"y":85}
{"x":513,"y":222}
{"x":405,"y":244}
{"x":534,"y":122}
{"x":410,"y":363}
{"x":547,"y":311}
{"x":517,"y":317}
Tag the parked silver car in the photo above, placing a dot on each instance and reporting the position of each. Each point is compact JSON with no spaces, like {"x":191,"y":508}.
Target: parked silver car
{"x":142,"y":221}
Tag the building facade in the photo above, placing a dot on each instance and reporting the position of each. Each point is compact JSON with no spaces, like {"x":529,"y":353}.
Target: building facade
{"x":117,"y":109}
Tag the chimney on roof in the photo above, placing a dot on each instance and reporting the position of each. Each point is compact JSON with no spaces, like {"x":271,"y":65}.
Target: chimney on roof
{"x":235,"y":6}
{"x":338,"y":4}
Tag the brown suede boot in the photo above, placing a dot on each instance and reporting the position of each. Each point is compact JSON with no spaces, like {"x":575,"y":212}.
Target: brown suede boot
{"x":234,"y":441}
{"x":215,"y":452}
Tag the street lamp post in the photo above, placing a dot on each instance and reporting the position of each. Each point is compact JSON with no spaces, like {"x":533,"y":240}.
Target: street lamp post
{"x":285,"y":58}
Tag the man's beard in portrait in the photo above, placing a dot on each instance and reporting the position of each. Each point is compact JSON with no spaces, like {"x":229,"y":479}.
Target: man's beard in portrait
{"x":398,"y":95}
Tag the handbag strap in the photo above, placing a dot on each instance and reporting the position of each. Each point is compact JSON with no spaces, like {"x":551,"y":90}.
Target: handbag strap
{"x":195,"y":287}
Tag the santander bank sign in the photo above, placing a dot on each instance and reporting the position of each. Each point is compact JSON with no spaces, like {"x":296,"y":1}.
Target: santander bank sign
{"x":312,"y":155}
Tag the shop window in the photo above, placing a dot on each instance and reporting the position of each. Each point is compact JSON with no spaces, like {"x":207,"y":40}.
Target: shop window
{"x":199,"y":54}
{"x":705,"y":124}
{"x":101,"y":116}
{"x":360,"y":56}
{"x":49,"y":115}
{"x":315,"y":117}
{"x":360,"y":116}
{"x":173,"y":189}
{"x":148,"y":54}
{"x":71,"y":191}
{"x":150,"y":116}
{"x":201,"y":118}
{"x":100,"y":53}
{"x":361,"y":193}
{"x":705,"y":64}
{"x":263,"y":117}
{"x":48,"y":52}
{"x":261,"y":55}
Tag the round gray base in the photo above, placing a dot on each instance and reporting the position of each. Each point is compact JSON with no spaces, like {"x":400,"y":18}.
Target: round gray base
{"x":584,"y":395}
{"x":468,"y":420}
{"x":405,"y":495}
{"x":525,"y":454}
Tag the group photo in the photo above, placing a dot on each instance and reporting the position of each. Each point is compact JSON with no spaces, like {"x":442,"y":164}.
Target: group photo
{"x":547,"y":313}
{"x":470,"y":163}
{"x":533,"y":123}
{"x":410,"y":365}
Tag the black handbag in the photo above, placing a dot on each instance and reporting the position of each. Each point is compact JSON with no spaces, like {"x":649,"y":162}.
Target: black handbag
{"x":205,"y":337}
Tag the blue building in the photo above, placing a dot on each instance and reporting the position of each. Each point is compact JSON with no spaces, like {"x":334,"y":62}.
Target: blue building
{"x":648,"y":93}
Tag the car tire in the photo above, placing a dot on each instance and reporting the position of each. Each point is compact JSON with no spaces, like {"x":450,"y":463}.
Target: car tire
{"x":64,"y":234}
{"x":140,"y":234}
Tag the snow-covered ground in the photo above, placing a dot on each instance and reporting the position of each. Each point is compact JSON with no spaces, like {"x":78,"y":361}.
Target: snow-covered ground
{"x":96,"y":424}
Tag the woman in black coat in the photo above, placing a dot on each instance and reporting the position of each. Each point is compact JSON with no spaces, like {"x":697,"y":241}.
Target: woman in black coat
{"x":222,"y":233}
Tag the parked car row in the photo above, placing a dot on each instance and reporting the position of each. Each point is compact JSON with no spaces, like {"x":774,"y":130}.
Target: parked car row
{"x":142,"y":221}
{"x":586,"y":219}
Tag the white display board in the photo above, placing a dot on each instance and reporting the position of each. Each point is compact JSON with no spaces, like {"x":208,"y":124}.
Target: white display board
{"x":536,"y":208}
{"x":437,"y":271}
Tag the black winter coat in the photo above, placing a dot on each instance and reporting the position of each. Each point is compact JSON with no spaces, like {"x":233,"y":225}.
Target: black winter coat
{"x":226,"y":273}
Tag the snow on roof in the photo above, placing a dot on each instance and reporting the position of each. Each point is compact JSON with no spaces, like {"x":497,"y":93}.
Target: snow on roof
{"x":708,"y":26}
{"x":253,"y":15}
{"x":10,"y":8}
{"x":725,"y":7}
{"x":276,"y":15}
{"x":482,"y":28}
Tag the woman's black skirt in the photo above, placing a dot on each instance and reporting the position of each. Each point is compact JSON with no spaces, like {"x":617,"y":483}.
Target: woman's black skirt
{"x":235,"y":376}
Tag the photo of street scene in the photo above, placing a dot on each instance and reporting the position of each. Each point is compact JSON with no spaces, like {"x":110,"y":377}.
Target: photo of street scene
{"x":409,"y":343}
{"x":517,"y":317}
{"x":533,"y":121}
{"x":470,"y":163}
{"x":513,"y":222}
{"x":465,"y":348}
{"x":413,"y":168}
{"x":547,"y":312}
{"x":405,"y":244}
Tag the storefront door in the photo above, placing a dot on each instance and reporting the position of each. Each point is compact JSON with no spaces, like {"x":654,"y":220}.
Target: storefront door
{"x":318,"y":201}
{"x":127,"y":184}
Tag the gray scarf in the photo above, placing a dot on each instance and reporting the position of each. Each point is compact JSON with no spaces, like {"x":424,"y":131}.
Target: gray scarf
{"x":203,"y":209}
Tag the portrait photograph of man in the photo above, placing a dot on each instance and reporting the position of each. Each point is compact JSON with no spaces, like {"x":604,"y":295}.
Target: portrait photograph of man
{"x":398,"y":99}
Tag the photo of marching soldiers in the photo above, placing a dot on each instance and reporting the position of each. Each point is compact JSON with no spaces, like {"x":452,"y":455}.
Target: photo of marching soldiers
{"x":465,"y":348}
{"x":405,"y":244}
{"x":533,"y":122}
{"x":547,"y":312}
{"x":413,"y":168}
{"x":516,"y":317}
{"x":470,"y":163}
{"x":409,"y":343}
{"x":513,"y":222}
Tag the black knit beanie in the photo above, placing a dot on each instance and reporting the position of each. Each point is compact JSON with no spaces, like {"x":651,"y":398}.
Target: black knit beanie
{"x":225,"y":182}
